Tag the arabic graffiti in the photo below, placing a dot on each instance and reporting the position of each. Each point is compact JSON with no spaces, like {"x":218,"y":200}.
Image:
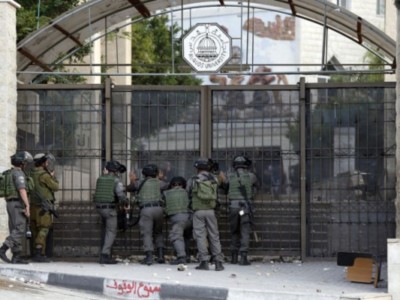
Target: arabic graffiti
{"x":125,"y":289}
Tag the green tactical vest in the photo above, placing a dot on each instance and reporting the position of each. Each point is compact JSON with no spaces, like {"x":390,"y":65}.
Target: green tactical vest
{"x":234,"y":186}
{"x":150,"y":192}
{"x":177,"y":201}
{"x":202,"y":204}
{"x":105,"y":189}
{"x":39,"y":189}
{"x":10,"y":191}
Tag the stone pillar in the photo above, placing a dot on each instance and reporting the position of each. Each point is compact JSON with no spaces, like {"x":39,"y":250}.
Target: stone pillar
{"x":8,"y":94}
{"x":394,"y":268}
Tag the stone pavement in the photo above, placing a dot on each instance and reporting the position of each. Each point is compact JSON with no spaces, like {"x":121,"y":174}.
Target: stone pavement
{"x":293,"y":280}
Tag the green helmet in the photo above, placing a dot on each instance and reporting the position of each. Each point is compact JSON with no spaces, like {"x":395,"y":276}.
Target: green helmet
{"x":241,"y":161}
{"x":20,"y":158}
{"x":115,"y":166}
{"x":150,"y":170}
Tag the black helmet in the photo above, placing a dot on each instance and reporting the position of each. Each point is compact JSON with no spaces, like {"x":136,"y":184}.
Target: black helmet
{"x":241,"y":161}
{"x":115,"y":166}
{"x":40,"y":158}
{"x":21,"y":158}
{"x":178,"y":181}
{"x":150,"y":170}
{"x":202,"y":164}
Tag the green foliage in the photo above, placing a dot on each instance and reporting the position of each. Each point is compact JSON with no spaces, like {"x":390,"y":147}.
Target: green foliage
{"x":152,"y":53}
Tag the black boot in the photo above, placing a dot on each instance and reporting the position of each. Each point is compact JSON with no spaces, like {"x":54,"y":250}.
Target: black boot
{"x":39,"y":257}
{"x":148,"y":260}
{"x":160,"y":256}
{"x":243,"y":259}
{"x":3,"y":256}
{"x":219,"y":266}
{"x":234,"y":259}
{"x":17,"y":259}
{"x":179,"y":260}
{"x":203,"y":266}
{"x":106,"y":259}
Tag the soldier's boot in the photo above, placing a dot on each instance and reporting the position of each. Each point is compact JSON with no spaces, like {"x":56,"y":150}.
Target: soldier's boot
{"x":243,"y":259}
{"x":219,"y":266}
{"x":160,"y":256}
{"x":148,"y":260}
{"x":17,"y":259}
{"x":3,"y":256}
{"x":179,"y":260}
{"x":39,"y":257}
{"x":234,"y":258}
{"x":106,"y":259}
{"x":203,"y":266}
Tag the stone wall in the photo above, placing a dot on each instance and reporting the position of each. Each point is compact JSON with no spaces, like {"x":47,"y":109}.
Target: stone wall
{"x":8,"y":95}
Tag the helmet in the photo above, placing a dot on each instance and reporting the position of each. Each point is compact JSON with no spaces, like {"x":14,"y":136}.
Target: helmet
{"x":115,"y":166}
{"x":40,"y":158}
{"x":241,"y":161}
{"x":178,"y":181}
{"x":150,"y":170}
{"x":20,"y":158}
{"x":202,"y":164}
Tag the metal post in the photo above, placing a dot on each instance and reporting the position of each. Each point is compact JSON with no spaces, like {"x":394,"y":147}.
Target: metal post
{"x":303,"y":204}
{"x":205,"y":120}
{"x":323,"y":61}
{"x":108,"y":116}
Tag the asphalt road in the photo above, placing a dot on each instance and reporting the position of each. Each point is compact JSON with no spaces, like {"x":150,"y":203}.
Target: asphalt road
{"x":18,"y":288}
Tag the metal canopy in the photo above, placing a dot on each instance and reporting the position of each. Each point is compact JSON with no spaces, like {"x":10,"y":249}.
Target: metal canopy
{"x":75,"y":28}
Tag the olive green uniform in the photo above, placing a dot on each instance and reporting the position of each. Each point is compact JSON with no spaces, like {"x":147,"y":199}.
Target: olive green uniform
{"x":41,"y":221}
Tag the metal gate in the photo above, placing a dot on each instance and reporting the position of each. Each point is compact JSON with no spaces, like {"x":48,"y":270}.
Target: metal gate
{"x":324,"y":154}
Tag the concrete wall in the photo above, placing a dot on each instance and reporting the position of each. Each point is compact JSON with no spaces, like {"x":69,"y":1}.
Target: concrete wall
{"x":8,"y":95}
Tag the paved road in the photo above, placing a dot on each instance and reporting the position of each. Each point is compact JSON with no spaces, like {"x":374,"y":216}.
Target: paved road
{"x":18,"y":288}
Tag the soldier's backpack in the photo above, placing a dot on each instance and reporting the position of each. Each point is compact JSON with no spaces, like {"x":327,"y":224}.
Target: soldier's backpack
{"x":205,"y":189}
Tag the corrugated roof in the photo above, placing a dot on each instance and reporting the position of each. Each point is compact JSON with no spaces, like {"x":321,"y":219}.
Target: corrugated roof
{"x":74,"y":28}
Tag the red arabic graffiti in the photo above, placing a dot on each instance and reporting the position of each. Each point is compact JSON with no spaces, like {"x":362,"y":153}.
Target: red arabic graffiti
{"x":139,"y":289}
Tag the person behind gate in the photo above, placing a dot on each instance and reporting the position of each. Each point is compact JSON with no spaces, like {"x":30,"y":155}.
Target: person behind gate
{"x":151,"y":219}
{"x":42,"y":203}
{"x":16,"y":194}
{"x":241,"y":186}
{"x":202,"y":189}
{"x":180,"y":216}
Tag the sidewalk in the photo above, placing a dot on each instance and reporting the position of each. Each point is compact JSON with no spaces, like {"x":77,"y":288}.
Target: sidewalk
{"x":307,"y":280}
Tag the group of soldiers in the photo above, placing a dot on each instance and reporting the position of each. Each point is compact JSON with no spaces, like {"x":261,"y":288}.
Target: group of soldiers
{"x":30,"y":201}
{"x":190,"y":206}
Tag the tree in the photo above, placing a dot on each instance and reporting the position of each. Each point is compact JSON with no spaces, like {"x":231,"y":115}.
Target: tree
{"x":152,"y":48}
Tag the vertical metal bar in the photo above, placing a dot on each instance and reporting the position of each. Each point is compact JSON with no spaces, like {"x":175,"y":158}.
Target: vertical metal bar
{"x":205,"y":119}
{"x":303,"y":211}
{"x":323,"y":54}
{"x":108,"y":116}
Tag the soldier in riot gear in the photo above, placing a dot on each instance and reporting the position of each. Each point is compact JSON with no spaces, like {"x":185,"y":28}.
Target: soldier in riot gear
{"x":180,"y":216}
{"x":18,"y":209}
{"x":205,"y":225}
{"x":241,"y":186}
{"x":151,"y":211}
{"x":109,"y":194}
{"x":42,"y":202}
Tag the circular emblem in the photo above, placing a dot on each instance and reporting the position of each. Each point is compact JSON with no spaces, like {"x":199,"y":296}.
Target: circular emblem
{"x":207,"y":47}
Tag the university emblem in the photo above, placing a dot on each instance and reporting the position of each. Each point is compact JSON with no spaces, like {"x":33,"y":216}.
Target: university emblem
{"x":207,"y":47}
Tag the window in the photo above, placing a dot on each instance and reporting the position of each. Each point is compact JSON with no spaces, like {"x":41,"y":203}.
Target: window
{"x":380,"y":7}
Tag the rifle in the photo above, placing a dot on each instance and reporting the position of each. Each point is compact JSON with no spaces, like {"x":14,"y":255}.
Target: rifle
{"x":47,"y":206}
{"x":249,"y":207}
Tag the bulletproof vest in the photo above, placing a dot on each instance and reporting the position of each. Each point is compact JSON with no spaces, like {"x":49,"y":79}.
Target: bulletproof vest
{"x":150,"y":191}
{"x":9,"y":188}
{"x":105,"y":189}
{"x":234,"y":186}
{"x":39,"y":189}
{"x":177,"y":201}
{"x":201,"y":203}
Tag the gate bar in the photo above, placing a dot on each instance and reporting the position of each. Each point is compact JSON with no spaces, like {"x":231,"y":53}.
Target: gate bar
{"x":303,"y":208}
{"x":108,"y":121}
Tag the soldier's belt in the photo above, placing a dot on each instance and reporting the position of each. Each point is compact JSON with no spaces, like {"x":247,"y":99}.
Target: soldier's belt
{"x":150,"y":204}
{"x":12,"y":199}
{"x":110,"y":206}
